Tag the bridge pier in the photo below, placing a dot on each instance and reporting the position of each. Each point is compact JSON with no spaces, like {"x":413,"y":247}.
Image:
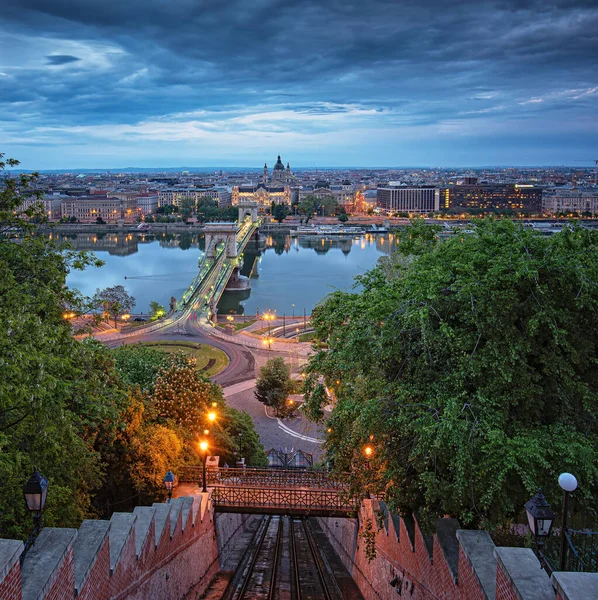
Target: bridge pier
{"x":216,"y":233}
{"x":248,"y":209}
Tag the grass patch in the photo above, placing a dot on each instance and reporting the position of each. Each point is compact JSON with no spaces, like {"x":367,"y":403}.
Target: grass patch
{"x":237,"y":325}
{"x":307,"y":337}
{"x":203,"y":354}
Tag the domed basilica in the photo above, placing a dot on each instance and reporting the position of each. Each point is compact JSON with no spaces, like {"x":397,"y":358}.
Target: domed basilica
{"x":275,"y":189}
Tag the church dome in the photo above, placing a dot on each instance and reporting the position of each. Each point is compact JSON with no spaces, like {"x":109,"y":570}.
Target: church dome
{"x":279,"y":166}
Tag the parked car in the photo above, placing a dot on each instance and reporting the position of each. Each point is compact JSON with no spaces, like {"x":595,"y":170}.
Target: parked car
{"x":140,"y":319}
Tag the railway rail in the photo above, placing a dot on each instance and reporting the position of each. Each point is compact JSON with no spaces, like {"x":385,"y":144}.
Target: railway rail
{"x":283,"y":562}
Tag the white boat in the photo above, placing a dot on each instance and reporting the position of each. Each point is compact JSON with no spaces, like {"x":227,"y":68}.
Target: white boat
{"x":303,"y":230}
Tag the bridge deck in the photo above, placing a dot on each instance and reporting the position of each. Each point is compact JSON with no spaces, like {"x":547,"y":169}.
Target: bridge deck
{"x":294,"y":492}
{"x":214,"y":272}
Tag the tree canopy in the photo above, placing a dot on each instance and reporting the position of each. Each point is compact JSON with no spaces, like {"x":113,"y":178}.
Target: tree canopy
{"x":274,"y":385}
{"x":469,"y":367}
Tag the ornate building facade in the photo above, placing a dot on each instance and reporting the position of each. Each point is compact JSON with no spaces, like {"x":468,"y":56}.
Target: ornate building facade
{"x":275,"y":189}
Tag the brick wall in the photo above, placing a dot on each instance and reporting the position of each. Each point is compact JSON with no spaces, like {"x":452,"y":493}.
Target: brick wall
{"x":63,"y":583}
{"x":10,"y":585}
{"x":504,"y":591}
{"x":171,"y":551}
{"x":180,"y":562}
{"x":451,"y":565}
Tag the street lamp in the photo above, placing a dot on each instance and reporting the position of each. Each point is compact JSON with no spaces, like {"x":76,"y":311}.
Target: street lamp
{"x":568,"y":484}
{"x":268,"y":341}
{"x":540,"y":519}
{"x":35,"y":492}
{"x":212,"y":416}
{"x":169,"y":483}
{"x":203,"y":446}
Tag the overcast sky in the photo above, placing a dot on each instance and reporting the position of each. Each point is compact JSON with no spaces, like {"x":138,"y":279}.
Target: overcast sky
{"x":117,"y":83}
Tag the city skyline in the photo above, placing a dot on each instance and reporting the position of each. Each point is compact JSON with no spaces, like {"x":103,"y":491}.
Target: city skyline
{"x":328,"y":84}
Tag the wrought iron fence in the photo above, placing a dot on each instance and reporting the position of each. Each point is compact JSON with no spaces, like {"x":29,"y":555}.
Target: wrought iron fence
{"x":582,"y":551}
{"x":265,"y":478}
{"x":293,"y":500}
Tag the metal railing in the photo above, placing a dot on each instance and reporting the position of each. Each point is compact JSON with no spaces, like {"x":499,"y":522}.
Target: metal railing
{"x":287,"y":501}
{"x":582,"y":550}
{"x":270,"y":478}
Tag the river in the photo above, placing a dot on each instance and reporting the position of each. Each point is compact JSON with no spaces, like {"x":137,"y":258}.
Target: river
{"x":284,"y":271}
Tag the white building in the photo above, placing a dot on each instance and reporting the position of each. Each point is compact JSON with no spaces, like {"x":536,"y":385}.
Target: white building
{"x":51,"y":205}
{"x":147,"y":204}
{"x":570,"y":201}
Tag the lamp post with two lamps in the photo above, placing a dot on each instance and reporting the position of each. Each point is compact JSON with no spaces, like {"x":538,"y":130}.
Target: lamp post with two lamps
{"x":541,"y":519}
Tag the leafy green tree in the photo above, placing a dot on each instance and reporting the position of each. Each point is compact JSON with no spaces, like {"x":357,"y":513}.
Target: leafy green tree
{"x":279,"y":212}
{"x":167,"y":209}
{"x":188,"y":208}
{"x":184,"y":396}
{"x":114,"y":300}
{"x":343,"y":217}
{"x":469,"y":367}
{"x":139,"y":365}
{"x":59,"y":398}
{"x":156,"y":310}
{"x":274,"y":385}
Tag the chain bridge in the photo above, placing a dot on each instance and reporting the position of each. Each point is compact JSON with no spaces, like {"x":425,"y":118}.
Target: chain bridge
{"x":292,"y":492}
{"x":224,"y":246}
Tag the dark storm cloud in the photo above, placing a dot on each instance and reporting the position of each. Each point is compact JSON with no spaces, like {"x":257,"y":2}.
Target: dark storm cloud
{"x":383,"y":62}
{"x":61,"y":59}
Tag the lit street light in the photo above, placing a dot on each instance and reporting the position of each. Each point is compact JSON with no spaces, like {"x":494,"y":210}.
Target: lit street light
{"x":203,"y":446}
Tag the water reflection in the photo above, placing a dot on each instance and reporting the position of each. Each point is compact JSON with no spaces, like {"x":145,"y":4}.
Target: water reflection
{"x":284,"y":270}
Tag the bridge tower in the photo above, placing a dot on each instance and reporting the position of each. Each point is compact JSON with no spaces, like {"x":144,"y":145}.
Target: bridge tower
{"x":248,"y":209}
{"x":216,"y":233}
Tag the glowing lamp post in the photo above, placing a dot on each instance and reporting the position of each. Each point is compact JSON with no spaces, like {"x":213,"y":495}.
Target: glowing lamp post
{"x":203,"y":446}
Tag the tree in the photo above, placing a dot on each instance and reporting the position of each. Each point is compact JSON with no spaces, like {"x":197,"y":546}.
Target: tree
{"x":280,"y":211}
{"x":156,"y":310}
{"x":100,"y":221}
{"x":188,"y":208}
{"x":115,"y":301}
{"x":184,"y":396}
{"x":343,"y":217}
{"x":274,"y":385}
{"x":469,"y":366}
{"x":59,"y":398}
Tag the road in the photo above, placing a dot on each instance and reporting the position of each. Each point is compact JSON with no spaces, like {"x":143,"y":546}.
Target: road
{"x":238,"y":382}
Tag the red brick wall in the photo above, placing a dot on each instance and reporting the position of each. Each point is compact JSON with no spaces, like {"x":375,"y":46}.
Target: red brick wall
{"x":97,"y":585}
{"x":63,"y":585}
{"x":504,"y":591}
{"x":411,"y":568}
{"x":10,"y":586}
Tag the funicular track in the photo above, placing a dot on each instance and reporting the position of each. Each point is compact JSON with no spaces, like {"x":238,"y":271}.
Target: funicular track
{"x":283,"y":562}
